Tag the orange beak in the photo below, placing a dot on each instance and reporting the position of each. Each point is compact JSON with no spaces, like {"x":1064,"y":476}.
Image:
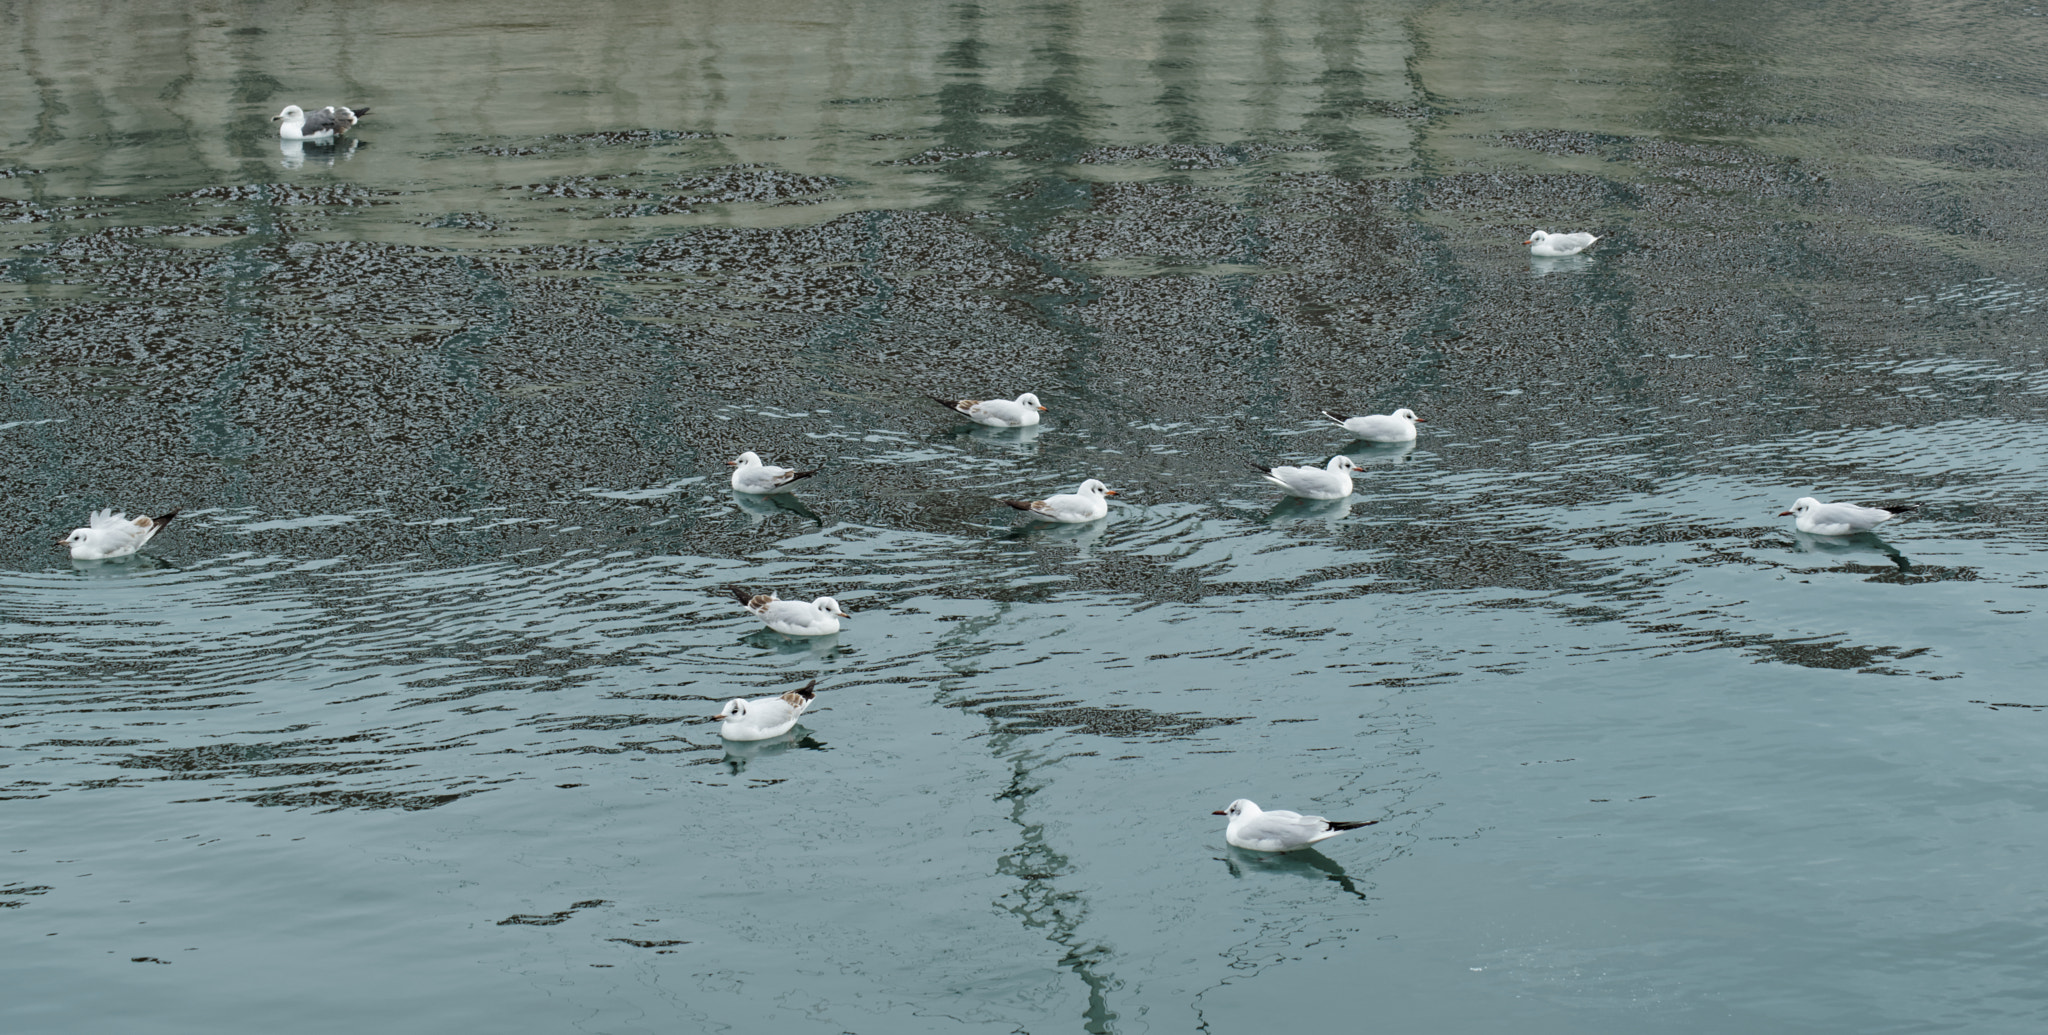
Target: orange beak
{"x":1784,"y":513}
{"x":1220,"y":812}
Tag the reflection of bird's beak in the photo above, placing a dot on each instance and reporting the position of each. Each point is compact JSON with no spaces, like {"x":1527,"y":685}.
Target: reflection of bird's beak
{"x":1784,"y":513}
{"x":1220,"y":812}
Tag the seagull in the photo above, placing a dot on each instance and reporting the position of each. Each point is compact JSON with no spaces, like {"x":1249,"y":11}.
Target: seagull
{"x":1398,"y":426}
{"x":762,"y":479}
{"x":1544,"y":243}
{"x":1331,"y":482}
{"x":820,"y":617}
{"x":111,"y":534}
{"x":1085,"y":503}
{"x":1279,"y":830}
{"x":998,"y":413}
{"x":765,"y":717}
{"x":325,"y":124}
{"x":1841,"y":518}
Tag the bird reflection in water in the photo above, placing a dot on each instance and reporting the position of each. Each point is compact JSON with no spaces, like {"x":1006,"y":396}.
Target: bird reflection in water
{"x":759,"y":509}
{"x":1365,"y":453}
{"x":1297,"y":508}
{"x":741,"y":753}
{"x":1855,"y":542}
{"x":1307,"y":862}
{"x":297,"y":152}
{"x":1545,"y":265}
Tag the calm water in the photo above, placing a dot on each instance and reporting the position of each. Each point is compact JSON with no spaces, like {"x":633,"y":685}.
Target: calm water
{"x":399,"y":726}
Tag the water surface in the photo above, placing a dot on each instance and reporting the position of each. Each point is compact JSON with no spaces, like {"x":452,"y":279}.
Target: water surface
{"x":400,"y":724}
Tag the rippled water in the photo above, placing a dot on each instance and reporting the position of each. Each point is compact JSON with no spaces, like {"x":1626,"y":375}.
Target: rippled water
{"x":399,"y":726}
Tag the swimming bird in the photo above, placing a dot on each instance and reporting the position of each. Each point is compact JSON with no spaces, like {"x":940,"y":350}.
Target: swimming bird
{"x":765,"y":717}
{"x":1279,"y":830}
{"x":110,"y":534}
{"x":1398,"y":426}
{"x":1330,"y":482}
{"x":1841,"y":518}
{"x":762,"y":479}
{"x":1544,"y":243}
{"x":1086,"y":503}
{"x":820,"y":617}
{"x":325,"y":124}
{"x":997,"y":413}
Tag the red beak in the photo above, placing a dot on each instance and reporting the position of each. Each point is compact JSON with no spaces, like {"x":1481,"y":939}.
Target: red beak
{"x":1220,"y":812}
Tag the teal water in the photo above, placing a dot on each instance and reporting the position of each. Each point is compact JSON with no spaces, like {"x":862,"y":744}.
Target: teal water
{"x":399,"y":725}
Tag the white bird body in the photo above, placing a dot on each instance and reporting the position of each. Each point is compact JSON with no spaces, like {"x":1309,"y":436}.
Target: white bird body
{"x":1839,"y":518}
{"x":1279,"y":830}
{"x":1398,"y":426}
{"x":1088,"y":502}
{"x":1330,"y":482}
{"x":751,"y":475}
{"x":820,"y":617}
{"x":764,"y":717}
{"x":111,"y":534}
{"x":998,"y":413}
{"x":294,"y":123}
{"x":1542,"y":242}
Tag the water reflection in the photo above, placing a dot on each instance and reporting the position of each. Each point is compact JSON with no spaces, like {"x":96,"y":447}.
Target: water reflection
{"x":121,"y":567}
{"x":819,"y":647}
{"x":741,"y":753}
{"x":1013,"y":438}
{"x":1363,"y":452}
{"x":297,"y":153}
{"x":1296,"y":508}
{"x":1307,"y":862}
{"x":760,"y":509}
{"x":1854,"y":543}
{"x":1545,"y":265}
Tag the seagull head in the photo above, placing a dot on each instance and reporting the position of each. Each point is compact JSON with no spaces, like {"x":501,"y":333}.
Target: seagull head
{"x":1027,"y":399}
{"x":1240,"y":807}
{"x":291,"y":112}
{"x":1094,"y":487}
{"x":827,"y":605}
{"x":734,"y":709}
{"x":76,"y":539}
{"x":1408,"y":415}
{"x":1340,"y":462}
{"x":746,"y":459}
{"x":1800,"y":506}
{"x":1536,"y":235}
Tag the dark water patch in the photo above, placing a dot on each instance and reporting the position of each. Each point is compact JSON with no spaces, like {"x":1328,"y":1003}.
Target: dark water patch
{"x":551,"y":919}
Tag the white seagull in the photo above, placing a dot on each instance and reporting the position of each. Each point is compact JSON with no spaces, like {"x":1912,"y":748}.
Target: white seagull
{"x":1331,"y":482}
{"x":1279,"y":830}
{"x":1398,"y":426}
{"x":1086,"y":503}
{"x":765,"y":717}
{"x":1840,"y":518}
{"x":111,"y":534}
{"x":820,"y":617}
{"x":997,"y":413}
{"x":762,"y":479}
{"x":1542,"y":242}
{"x":325,"y":124}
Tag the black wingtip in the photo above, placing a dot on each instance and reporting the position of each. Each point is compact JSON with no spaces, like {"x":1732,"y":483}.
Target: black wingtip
{"x":741,"y":595}
{"x":1350,"y":825}
{"x":1334,"y":417}
{"x":1901,"y":509}
{"x":160,"y":522}
{"x":361,"y":113}
{"x":951,"y":404}
{"x":794,"y":475}
{"x":1261,"y":468}
{"x":808,"y":691}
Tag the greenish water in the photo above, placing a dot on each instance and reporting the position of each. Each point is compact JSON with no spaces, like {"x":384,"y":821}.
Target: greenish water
{"x":399,"y":726}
